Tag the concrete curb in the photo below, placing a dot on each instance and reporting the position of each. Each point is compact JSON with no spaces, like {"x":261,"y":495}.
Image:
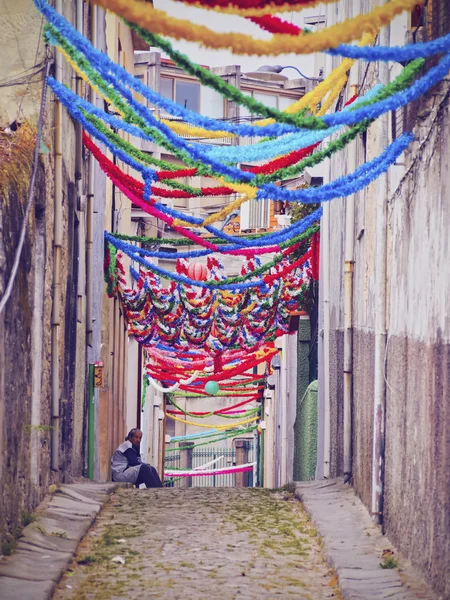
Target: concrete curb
{"x":47,"y":546}
{"x":353,"y":544}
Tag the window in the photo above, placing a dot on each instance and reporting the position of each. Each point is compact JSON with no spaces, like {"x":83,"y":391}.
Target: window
{"x":279,"y":102}
{"x":167,"y":87}
{"x":187,"y":93}
{"x":213,"y":104}
{"x":270,"y":100}
{"x":255,"y":214}
{"x":285,"y":101}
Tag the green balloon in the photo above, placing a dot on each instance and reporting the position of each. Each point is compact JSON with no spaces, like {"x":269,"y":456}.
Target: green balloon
{"x":212,"y":387}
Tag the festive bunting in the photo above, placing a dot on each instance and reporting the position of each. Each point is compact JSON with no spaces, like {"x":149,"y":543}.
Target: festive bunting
{"x":204,"y":331}
{"x":158,"y":21}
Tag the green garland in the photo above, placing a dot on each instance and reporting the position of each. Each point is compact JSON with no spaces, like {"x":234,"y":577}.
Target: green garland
{"x":225,"y":89}
{"x":180,"y":241}
{"x":248,"y":413}
{"x":401,"y":82}
{"x":141,"y":156}
{"x":262,"y":268}
{"x":212,"y":240}
{"x":225,"y":437}
{"x":131,"y":117}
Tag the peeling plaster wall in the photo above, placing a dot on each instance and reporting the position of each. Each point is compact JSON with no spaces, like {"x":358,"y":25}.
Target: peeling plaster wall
{"x":417,"y":451}
{"x":417,"y":454}
{"x":25,"y":325}
{"x":417,"y":482}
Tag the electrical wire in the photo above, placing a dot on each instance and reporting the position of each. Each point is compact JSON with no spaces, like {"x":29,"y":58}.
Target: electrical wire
{"x":19,"y":110}
{"x":23,"y":76}
{"x":30,"y":195}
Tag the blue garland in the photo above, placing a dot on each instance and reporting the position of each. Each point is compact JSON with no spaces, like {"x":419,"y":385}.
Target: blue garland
{"x":105,"y":65}
{"x":133,"y":252}
{"x":398,"y":100}
{"x":336,"y":189}
{"x":278,"y":236}
{"x":238,"y":242}
{"x":394,"y":53}
{"x":284,"y":145}
{"x":343,"y":186}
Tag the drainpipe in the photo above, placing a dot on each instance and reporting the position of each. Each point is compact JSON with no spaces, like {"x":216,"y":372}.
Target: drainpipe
{"x":284,"y":407}
{"x":325,"y":257}
{"x":382,"y":191}
{"x":90,"y":209}
{"x":349,"y":260}
{"x":78,"y":129}
{"x":57,"y":244}
{"x":324,"y":442}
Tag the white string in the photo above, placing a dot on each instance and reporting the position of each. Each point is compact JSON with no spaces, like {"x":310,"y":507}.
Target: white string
{"x":175,"y":386}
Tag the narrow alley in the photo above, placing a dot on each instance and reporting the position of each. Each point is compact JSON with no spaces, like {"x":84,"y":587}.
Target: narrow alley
{"x":200,"y":543}
{"x":224,"y":277}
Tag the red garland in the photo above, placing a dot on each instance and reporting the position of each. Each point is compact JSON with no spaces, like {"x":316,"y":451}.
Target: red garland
{"x":179,"y":173}
{"x":282,"y":161}
{"x":315,"y":254}
{"x":351,"y":100}
{"x":219,"y":411}
{"x":275,"y":25}
{"x":138,"y":187}
{"x":135,"y":185}
{"x":249,"y":3}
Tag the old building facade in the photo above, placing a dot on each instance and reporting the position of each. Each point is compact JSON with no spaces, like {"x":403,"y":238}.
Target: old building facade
{"x":384,"y":346}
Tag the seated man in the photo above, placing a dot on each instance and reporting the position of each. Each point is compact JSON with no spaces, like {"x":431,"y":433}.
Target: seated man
{"x":127,"y":466}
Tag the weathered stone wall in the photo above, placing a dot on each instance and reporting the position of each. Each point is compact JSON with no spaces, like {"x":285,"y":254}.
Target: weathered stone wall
{"x":16,"y":492}
{"x":417,"y":483}
{"x":363,"y":386}
{"x":25,"y":325}
{"x":416,"y":509}
{"x":417,"y":454}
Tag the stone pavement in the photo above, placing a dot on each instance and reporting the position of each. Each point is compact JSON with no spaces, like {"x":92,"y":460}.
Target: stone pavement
{"x":46,"y":547}
{"x":354,"y":545}
{"x":200,"y":543}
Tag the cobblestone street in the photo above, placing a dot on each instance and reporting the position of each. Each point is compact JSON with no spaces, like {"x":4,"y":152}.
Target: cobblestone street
{"x":200,"y":543}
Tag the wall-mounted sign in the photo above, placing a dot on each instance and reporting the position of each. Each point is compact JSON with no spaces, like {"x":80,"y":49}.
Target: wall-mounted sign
{"x":99,"y":374}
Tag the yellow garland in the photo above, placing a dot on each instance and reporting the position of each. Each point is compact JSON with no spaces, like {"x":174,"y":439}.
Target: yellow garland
{"x":209,"y":425}
{"x":241,"y":188}
{"x":160,"y":22}
{"x":332,"y":97}
{"x":311,"y":99}
{"x":336,"y":80}
{"x":219,"y":216}
{"x":258,"y":12}
{"x":86,"y":79}
{"x":190,"y":130}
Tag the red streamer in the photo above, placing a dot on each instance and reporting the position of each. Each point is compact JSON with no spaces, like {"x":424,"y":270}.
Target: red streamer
{"x":275,"y":25}
{"x":249,"y":3}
